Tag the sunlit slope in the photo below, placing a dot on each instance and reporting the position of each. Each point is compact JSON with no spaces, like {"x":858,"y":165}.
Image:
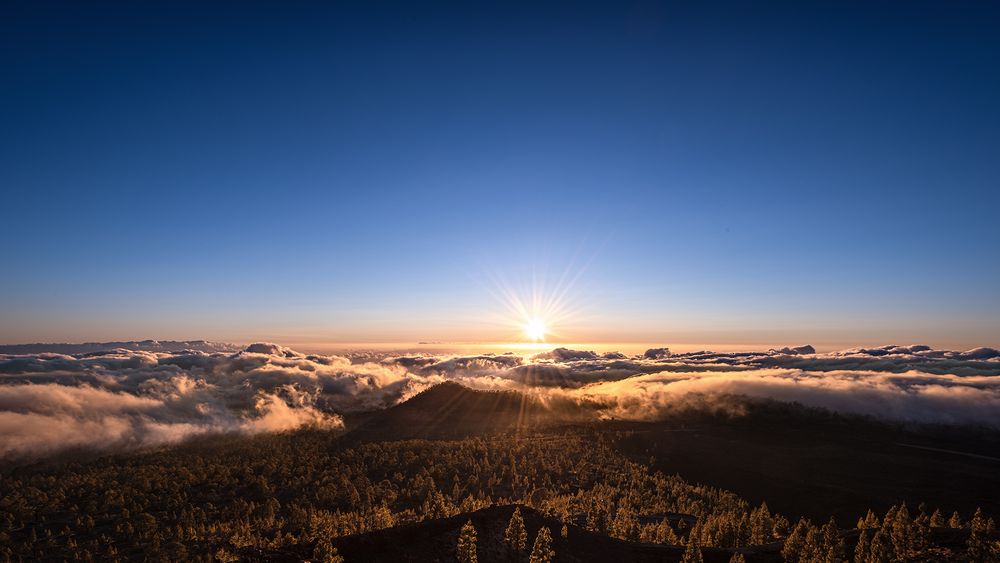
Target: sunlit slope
{"x":452,"y":411}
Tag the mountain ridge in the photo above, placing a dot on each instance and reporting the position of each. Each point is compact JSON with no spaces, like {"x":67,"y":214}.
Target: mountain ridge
{"x":450,"y":410}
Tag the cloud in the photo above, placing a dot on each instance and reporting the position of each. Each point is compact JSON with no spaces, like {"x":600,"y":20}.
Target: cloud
{"x":121,"y":397}
{"x":910,"y":396}
{"x":145,"y":345}
{"x":42,"y":418}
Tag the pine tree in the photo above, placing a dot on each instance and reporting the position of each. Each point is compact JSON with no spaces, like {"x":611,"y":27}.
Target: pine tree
{"x":902,"y":533}
{"x":624,"y":525}
{"x":435,"y":506}
{"x":869,"y":521}
{"x":542,"y":552}
{"x":692,"y":553}
{"x":669,"y":535}
{"x":760,"y":525}
{"x":923,"y":518}
{"x":890,"y":516}
{"x":864,"y":545}
{"x":812,"y":548}
{"x":467,"y":544}
{"x":937,"y":519}
{"x":781,"y":526}
{"x":830,"y":533}
{"x":979,"y":548}
{"x":516,"y":537}
{"x":836,"y":552}
{"x":737,"y":558}
{"x":955,"y":521}
{"x":695,"y":534}
{"x":795,"y":540}
{"x":881,"y":548}
{"x":921,"y":533}
{"x":324,"y":552}
{"x":564,"y":532}
{"x":383,"y":518}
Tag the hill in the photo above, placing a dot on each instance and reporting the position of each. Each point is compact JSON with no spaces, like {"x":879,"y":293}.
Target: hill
{"x":815,"y":463}
{"x":450,"y":411}
{"x":801,"y":461}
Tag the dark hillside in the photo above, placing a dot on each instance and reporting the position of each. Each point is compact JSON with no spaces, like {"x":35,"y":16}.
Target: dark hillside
{"x":436,"y":540}
{"x":450,"y":411}
{"x":815,"y":463}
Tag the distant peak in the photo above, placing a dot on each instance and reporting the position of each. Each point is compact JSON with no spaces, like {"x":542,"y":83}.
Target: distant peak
{"x":796,"y":351}
{"x":270,"y":349}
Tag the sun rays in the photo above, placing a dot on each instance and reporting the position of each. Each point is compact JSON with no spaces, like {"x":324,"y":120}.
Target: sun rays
{"x":535,"y":311}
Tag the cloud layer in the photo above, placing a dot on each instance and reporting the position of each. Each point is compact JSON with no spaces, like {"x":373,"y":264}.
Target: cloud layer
{"x":152,"y":394}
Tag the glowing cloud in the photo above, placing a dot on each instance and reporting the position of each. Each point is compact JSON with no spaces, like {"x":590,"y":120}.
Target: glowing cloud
{"x":124,"y":398}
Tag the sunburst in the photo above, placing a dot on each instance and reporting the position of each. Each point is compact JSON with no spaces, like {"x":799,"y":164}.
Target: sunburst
{"x":535,"y":329}
{"x":536,"y":311}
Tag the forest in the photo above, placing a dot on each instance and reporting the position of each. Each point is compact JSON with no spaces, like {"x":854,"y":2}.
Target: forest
{"x":301,"y":495}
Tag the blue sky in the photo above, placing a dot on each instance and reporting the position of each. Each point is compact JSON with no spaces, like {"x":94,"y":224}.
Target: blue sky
{"x":706,"y":172}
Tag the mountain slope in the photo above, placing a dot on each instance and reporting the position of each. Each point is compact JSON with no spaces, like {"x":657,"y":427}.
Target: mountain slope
{"x":452,"y":411}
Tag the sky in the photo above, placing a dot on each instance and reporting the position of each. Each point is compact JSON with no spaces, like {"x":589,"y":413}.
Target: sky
{"x":696,"y":172}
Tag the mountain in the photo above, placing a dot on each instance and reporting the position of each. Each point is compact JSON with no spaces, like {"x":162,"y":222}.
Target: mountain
{"x":451,"y":411}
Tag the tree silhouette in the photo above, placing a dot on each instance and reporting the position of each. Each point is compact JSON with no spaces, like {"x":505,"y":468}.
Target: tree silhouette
{"x":812,"y":548}
{"x":836,"y":552}
{"x":761,"y":525}
{"x":467,"y":544}
{"x":869,"y":521}
{"x":955,"y":521}
{"x":692,"y":553}
{"x":324,"y":552}
{"x":902,"y":532}
{"x":979,"y":548}
{"x":795,"y":541}
{"x":880,"y":550}
{"x":542,"y":551}
{"x":515,"y":536}
{"x":862,"y":547}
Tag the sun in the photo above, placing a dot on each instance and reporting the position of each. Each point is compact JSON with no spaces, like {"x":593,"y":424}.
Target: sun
{"x":535,"y":312}
{"x":535,"y":329}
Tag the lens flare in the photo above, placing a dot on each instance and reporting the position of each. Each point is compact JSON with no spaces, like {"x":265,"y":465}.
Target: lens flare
{"x":535,"y":329}
{"x":537,"y":308}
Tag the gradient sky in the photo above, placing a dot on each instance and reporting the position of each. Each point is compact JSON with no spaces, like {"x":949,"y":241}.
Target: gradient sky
{"x":702,"y":172}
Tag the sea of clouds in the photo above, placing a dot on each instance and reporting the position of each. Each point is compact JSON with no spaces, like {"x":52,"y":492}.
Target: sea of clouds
{"x":135,"y":394}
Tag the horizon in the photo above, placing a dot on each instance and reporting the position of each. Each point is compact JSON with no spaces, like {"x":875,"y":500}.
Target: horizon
{"x":459,"y":348}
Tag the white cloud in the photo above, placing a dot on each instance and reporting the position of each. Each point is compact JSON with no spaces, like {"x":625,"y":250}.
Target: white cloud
{"x":131,"y":398}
